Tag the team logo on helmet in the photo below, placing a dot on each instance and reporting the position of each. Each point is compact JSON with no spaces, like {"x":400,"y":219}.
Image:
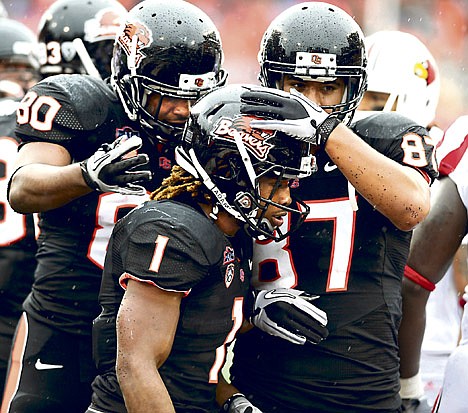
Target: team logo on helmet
{"x":255,"y":140}
{"x":103,"y":26}
{"x":144,"y":38}
{"x":425,"y":71}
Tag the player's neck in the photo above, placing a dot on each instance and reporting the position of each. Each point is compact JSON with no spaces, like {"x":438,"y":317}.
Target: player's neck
{"x":223,"y":220}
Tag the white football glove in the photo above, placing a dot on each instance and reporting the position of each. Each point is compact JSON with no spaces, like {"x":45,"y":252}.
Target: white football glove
{"x":292,"y":114}
{"x":107,"y":170}
{"x":238,"y":403}
{"x":290,"y":315}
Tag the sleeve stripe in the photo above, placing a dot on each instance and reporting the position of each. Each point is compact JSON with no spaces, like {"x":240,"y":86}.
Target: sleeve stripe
{"x":126,"y":276}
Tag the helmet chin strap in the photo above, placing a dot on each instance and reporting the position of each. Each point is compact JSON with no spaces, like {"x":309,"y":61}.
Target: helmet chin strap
{"x":214,"y":212}
{"x":266,"y":225}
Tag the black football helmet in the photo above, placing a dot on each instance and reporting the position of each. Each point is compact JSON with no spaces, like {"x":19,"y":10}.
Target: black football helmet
{"x":316,"y":41}
{"x":170,"y":47}
{"x":18,"y":58}
{"x":78,"y":36}
{"x":221,"y":149}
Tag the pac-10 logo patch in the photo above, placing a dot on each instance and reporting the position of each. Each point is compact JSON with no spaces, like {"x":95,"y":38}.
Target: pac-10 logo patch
{"x":229,"y":276}
{"x":229,"y":255}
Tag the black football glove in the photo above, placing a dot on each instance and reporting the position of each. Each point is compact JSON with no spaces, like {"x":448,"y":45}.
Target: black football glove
{"x":289,"y":314}
{"x":108,"y":171}
{"x":238,"y":403}
{"x":292,"y":114}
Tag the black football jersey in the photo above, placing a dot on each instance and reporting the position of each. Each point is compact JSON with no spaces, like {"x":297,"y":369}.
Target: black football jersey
{"x":80,"y":113}
{"x":17,"y":233}
{"x":354,"y":260}
{"x":196,"y":258}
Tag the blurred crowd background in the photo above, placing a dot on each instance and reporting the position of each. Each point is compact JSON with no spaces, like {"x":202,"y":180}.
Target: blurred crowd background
{"x":441,"y":24}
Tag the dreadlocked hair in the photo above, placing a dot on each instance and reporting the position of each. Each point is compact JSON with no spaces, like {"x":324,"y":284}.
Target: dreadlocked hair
{"x":181,"y":184}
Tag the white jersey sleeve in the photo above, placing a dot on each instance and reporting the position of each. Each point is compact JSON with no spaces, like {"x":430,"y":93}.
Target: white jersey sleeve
{"x":452,"y":156}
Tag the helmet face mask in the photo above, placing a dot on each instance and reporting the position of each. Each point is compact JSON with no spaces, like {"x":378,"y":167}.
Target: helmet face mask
{"x":170,"y":48}
{"x":221,"y":149}
{"x":78,"y":37}
{"x":316,"y":42}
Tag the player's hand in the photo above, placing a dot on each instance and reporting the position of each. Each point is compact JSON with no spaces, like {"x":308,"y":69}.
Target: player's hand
{"x":289,"y":314}
{"x":238,"y":403}
{"x":292,"y":114}
{"x":109,"y":170}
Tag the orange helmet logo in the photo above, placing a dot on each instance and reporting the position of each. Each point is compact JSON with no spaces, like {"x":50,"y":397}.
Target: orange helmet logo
{"x":316,"y":59}
{"x":143,"y":39}
{"x":103,"y":26}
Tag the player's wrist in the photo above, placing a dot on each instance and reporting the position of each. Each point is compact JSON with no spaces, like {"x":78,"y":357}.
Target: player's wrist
{"x":325,"y":129}
{"x":86,"y":176}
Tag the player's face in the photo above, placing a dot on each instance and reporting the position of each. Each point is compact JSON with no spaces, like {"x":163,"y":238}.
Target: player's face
{"x":16,"y":74}
{"x":174,"y":111}
{"x":322,"y":93}
{"x":375,"y":101}
{"x":281,"y":195}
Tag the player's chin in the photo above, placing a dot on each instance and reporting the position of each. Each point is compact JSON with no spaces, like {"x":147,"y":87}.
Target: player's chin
{"x":276,"y":220}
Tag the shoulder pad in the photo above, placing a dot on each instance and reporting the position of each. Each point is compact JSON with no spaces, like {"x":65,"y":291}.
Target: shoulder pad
{"x":84,"y":100}
{"x":386,"y":124}
{"x":453,"y":147}
{"x":178,"y":221}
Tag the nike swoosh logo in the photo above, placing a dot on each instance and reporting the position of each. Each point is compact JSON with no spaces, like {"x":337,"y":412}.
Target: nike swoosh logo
{"x":329,"y":167}
{"x":273,"y":294}
{"x":42,"y":366}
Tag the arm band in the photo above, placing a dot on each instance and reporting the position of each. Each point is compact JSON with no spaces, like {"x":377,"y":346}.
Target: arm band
{"x":418,"y":279}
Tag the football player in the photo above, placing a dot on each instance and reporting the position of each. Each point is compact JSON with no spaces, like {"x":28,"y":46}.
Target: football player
{"x":82,"y":168}
{"x":178,"y":270}
{"x":403,"y":76}
{"x":370,"y":191}
{"x":18,"y":72}
{"x":442,"y":233}
{"x":410,"y":86}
